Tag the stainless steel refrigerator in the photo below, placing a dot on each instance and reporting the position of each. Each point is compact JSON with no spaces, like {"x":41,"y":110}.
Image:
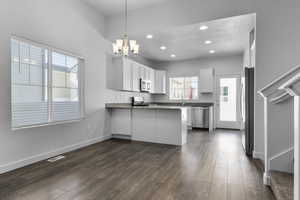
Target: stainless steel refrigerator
{"x":248,"y":91}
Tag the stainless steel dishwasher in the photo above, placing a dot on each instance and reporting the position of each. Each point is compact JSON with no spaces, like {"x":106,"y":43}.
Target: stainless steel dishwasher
{"x":200,"y":117}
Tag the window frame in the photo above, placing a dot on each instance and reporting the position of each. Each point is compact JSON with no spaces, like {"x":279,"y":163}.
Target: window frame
{"x":81,"y":87}
{"x":184,"y":88}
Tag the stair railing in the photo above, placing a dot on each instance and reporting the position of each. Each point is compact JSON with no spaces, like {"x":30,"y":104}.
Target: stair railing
{"x":292,"y":87}
{"x":278,"y":91}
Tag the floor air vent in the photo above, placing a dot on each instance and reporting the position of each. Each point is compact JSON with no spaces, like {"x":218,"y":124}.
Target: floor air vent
{"x":54,"y":159}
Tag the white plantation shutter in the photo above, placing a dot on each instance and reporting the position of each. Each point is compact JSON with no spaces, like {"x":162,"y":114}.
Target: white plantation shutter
{"x":37,"y":99}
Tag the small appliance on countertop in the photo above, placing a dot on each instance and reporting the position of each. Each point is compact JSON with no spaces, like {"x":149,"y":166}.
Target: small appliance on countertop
{"x":138,"y":101}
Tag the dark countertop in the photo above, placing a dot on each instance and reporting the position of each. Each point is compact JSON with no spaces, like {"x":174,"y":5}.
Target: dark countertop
{"x":160,"y":105}
{"x":150,"y":106}
{"x":188,"y":104}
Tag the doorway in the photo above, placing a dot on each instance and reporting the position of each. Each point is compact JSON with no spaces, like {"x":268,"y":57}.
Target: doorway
{"x":228,"y":101}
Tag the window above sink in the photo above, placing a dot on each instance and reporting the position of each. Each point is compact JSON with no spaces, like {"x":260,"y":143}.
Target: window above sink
{"x":183,"y":88}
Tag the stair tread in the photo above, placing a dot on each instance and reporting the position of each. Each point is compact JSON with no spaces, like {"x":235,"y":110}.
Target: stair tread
{"x":282,"y":185}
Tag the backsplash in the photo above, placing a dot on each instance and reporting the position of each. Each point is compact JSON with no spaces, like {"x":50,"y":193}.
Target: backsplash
{"x":165,"y":98}
{"x":114,"y":96}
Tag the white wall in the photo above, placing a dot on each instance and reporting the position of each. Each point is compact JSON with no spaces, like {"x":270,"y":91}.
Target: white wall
{"x":277,"y":34}
{"x":222,"y":65}
{"x":71,"y":26}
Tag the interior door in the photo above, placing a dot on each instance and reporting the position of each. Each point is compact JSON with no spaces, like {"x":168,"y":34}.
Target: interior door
{"x":228,"y":101}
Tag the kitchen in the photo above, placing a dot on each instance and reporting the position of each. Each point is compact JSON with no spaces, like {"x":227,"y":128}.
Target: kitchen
{"x":130,"y":120}
{"x":166,"y":96}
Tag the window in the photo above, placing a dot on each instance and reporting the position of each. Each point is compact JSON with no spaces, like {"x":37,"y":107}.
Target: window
{"x":183,"y":88}
{"x":43,"y":92}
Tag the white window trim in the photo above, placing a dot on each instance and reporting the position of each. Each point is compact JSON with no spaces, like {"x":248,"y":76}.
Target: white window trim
{"x":184,"y":99}
{"x":81,"y":86}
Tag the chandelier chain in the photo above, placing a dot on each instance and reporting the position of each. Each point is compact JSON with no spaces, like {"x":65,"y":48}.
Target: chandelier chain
{"x":126,"y":17}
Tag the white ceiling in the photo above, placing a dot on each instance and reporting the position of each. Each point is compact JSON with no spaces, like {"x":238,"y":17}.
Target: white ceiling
{"x":228,"y":36}
{"x":111,"y":7}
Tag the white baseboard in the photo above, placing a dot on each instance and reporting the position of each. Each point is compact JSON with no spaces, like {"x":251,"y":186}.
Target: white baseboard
{"x":258,"y":155}
{"x":283,"y":161}
{"x":33,"y":159}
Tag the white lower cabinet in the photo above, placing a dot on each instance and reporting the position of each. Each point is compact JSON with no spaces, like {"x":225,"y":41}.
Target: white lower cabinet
{"x":164,"y":126}
{"x":121,"y":122}
{"x":168,"y":129}
{"x":142,"y":125}
{"x":159,"y":126}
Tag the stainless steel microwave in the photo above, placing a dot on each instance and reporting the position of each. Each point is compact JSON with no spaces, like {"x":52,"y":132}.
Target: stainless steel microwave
{"x":145,"y":85}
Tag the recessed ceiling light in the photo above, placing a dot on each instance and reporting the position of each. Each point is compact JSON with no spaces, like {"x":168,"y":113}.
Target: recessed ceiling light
{"x":173,"y":55}
{"x":208,"y":42}
{"x":212,"y":51}
{"x":163,"y":47}
{"x":149,"y":36}
{"x":203,"y":27}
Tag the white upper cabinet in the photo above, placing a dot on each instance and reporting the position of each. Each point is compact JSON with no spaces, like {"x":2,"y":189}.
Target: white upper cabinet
{"x":142,"y":72}
{"x":206,"y":80}
{"x":135,"y":77}
{"x":147,"y":73}
{"x":160,"y":82}
{"x":120,"y":74}
{"x":152,"y":79}
{"x":125,"y":74}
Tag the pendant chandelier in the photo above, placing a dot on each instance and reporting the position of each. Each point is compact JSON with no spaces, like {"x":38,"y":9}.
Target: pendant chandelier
{"x":124,"y":46}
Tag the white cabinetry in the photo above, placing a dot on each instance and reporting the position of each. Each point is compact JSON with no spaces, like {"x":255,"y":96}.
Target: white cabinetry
{"x":206,"y":80}
{"x":121,"y":122}
{"x":165,"y":126}
{"x":145,"y":72}
{"x":135,"y":77}
{"x":121,"y":73}
{"x":142,"y":71}
{"x":142,"y":126}
{"x":152,"y":79}
{"x":160,"y":82}
{"x":167,"y":130}
{"x":125,"y":74}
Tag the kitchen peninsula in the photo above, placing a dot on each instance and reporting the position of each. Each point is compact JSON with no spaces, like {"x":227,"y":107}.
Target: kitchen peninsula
{"x":152,"y":123}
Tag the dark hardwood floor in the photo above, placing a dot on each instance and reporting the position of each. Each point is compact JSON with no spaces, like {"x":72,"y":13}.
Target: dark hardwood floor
{"x":211,"y":166}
